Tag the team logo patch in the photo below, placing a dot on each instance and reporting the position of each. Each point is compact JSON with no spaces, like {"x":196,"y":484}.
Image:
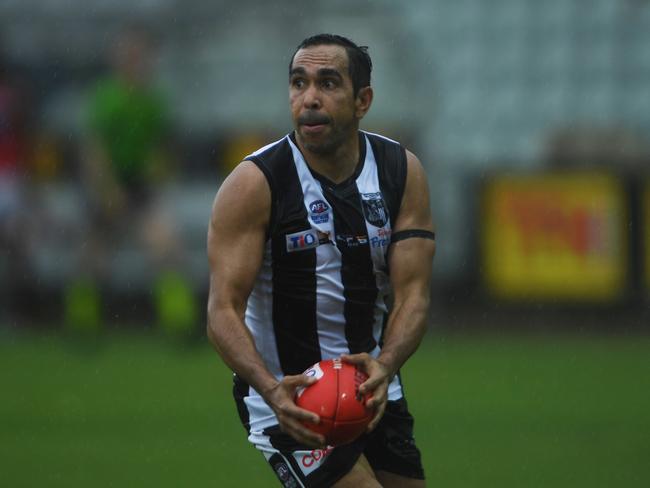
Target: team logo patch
{"x":319,"y":211}
{"x":284,"y":475}
{"x":374,"y":209}
{"x":306,"y":239}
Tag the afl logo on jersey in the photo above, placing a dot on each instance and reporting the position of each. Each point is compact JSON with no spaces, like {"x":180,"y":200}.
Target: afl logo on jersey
{"x":374,"y":209}
{"x":319,"y":211}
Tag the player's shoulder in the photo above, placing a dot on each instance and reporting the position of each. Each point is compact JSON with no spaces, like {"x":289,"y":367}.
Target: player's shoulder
{"x":416,"y":191}
{"x":413,"y":162}
{"x":388,"y":154}
{"x":271,"y":153}
{"x":244,"y":183}
{"x":391,"y":149}
{"x":394,"y":154}
{"x":249,"y":187}
{"x":243,"y":200}
{"x":255,"y":167}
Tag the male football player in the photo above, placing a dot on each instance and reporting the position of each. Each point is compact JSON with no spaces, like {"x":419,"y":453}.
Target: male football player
{"x":308,"y":238}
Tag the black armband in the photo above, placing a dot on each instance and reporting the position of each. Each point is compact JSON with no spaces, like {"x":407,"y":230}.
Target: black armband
{"x":409,"y":233}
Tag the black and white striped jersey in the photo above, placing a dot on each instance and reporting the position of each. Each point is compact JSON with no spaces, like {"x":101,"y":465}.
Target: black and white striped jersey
{"x":323,"y":284}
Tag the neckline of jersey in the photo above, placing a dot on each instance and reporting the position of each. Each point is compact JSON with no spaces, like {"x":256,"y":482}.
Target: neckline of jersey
{"x":324,"y":180}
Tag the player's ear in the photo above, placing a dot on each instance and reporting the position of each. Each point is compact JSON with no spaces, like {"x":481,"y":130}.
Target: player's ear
{"x":363,"y":101}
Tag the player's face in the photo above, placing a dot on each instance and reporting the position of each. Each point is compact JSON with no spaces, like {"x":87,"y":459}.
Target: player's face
{"x":321,"y":98}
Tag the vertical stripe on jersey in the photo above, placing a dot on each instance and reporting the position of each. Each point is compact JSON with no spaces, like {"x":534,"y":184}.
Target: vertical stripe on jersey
{"x":294,"y":279}
{"x":369,"y":182}
{"x":353,"y":277}
{"x":329,"y":289}
{"x":357,"y":275}
{"x":392,"y":177}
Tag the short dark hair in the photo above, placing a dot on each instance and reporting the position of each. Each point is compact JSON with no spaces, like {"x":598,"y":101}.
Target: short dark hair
{"x":359,"y":62}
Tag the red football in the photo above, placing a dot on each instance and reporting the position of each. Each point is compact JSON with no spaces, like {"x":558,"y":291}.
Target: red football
{"x":336,"y":399}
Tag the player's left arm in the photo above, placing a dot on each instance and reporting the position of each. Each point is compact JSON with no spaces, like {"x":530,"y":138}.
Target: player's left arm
{"x":409,"y":259}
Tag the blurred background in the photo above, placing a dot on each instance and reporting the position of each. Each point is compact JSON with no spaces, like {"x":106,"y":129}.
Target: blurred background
{"x":119,"y":120}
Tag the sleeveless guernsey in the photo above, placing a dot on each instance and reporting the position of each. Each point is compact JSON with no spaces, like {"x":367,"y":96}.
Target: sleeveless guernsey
{"x":324,"y":280}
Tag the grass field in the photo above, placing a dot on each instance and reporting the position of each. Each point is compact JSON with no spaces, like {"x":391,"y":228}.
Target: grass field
{"x":506,"y":411}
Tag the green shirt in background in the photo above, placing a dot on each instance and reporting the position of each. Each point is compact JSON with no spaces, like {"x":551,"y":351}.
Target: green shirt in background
{"x":130,"y":123}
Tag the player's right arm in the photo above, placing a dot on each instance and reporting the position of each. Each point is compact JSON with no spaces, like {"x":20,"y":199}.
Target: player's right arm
{"x":236,"y":238}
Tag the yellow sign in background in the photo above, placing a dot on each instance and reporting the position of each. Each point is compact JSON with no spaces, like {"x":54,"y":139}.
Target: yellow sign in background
{"x":555,"y":236}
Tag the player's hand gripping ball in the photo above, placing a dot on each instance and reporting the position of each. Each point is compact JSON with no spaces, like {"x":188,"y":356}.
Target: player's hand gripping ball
{"x":335,"y":398}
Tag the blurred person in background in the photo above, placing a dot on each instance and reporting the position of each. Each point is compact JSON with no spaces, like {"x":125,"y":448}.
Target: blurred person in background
{"x":125,"y":159}
{"x":302,"y":237}
{"x":14,"y":217}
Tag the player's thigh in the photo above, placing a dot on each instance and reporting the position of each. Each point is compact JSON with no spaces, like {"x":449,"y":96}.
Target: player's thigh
{"x":360,"y":476}
{"x":392,"y":480}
